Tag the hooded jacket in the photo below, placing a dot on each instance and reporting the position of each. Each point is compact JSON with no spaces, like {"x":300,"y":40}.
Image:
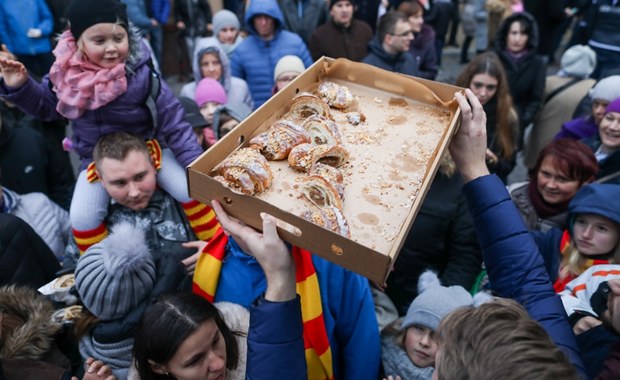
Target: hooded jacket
{"x":236,"y":89}
{"x":596,"y":198}
{"x":403,"y":62}
{"x":127,"y":113}
{"x":255,"y":59}
{"x":526,"y":76}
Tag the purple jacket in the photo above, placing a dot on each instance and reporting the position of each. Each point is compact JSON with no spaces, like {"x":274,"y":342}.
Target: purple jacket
{"x":128,"y":113}
{"x":580,"y":128}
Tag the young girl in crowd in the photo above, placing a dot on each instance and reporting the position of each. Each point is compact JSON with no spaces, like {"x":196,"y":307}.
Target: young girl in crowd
{"x":101,"y":81}
{"x":592,"y":236}
{"x":210,"y":61}
{"x":563,"y":166}
{"x":485,"y":76}
{"x":409,"y":344}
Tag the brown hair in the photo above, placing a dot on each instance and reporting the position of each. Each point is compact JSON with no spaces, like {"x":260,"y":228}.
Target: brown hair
{"x":410,"y":8}
{"x":489,"y":63}
{"x":497,"y":340}
{"x":117,"y":146}
{"x":574,"y":158}
{"x":387,"y":24}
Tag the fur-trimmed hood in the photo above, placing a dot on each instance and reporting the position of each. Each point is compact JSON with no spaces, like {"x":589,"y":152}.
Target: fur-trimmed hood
{"x":34,"y":338}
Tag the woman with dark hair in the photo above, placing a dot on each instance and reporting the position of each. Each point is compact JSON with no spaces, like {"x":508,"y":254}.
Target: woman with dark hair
{"x":183,"y":336}
{"x":562,"y":167}
{"x":423,"y":46}
{"x":517,"y":45}
{"x":182,"y":321}
{"x":485,"y":76}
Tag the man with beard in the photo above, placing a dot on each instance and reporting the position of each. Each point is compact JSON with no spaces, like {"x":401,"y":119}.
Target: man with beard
{"x":342,"y":36}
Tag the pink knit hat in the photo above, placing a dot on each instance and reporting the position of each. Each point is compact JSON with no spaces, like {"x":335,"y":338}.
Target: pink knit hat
{"x":210,"y":90}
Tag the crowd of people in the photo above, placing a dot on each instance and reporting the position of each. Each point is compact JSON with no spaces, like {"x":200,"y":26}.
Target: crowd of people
{"x":495,"y":279}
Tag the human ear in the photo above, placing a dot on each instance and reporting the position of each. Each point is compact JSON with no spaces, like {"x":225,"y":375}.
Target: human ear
{"x":159,"y":369}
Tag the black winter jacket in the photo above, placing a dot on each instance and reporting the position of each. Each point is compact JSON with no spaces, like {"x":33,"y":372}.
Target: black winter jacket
{"x":399,"y":63}
{"x":526,"y":76}
{"x":442,"y":238}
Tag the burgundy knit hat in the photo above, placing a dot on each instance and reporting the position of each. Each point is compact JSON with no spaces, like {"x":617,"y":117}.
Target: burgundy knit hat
{"x":613,"y":106}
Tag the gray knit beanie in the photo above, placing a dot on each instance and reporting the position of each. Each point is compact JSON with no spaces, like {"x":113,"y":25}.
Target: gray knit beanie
{"x":224,"y":18}
{"x":434,"y":302}
{"x":117,"y":274}
{"x":578,"y":61}
{"x":606,"y":89}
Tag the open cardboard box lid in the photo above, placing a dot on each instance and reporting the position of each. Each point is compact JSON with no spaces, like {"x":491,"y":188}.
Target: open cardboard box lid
{"x":394,"y":156}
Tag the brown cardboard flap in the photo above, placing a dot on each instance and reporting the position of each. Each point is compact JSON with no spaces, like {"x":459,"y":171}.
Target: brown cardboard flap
{"x":393,"y":159}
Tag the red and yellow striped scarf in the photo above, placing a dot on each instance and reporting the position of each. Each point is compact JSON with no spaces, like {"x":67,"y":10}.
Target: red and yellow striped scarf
{"x":154,"y":150}
{"x":318,"y":350}
{"x":565,"y":244}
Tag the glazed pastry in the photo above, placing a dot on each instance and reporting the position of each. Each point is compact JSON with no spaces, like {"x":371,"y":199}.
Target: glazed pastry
{"x":277,"y":141}
{"x":322,"y":130}
{"x":305,"y":105}
{"x":331,"y":174}
{"x":320,"y":192}
{"x":329,"y":217}
{"x":335,"y":95}
{"x":245,"y":170}
{"x":303,"y":156}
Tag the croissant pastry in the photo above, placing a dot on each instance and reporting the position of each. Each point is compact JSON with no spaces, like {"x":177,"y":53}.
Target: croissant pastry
{"x":277,"y":141}
{"x":322,"y":130}
{"x":329,"y":217}
{"x":245,"y":170}
{"x":335,"y":95}
{"x":331,"y":174}
{"x":320,"y":192}
{"x":306,"y":104}
{"x":303,"y":156}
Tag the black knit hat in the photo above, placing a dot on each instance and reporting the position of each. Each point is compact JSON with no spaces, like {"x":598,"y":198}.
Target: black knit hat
{"x":82,"y":14}
{"x":333,"y":2}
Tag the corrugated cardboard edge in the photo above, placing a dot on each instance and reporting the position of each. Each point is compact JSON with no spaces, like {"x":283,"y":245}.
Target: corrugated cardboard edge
{"x":349,"y":254}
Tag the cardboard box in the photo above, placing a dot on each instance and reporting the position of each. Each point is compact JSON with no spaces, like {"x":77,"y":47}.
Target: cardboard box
{"x":394,"y":156}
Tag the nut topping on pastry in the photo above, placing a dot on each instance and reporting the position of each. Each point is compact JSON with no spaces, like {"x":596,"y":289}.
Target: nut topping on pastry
{"x":335,"y":95}
{"x":277,"y":141}
{"x":320,"y":192}
{"x":245,"y":170}
{"x":303,"y":156}
{"x":330,"y":218}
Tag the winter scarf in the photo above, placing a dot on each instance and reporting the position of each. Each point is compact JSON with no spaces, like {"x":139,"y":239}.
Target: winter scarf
{"x":318,"y":350}
{"x":543,"y":209}
{"x":116,"y":355}
{"x":397,"y":362}
{"x":80,"y":84}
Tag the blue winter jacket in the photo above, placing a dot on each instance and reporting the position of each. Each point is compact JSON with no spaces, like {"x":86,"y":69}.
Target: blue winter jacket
{"x":255,"y":59}
{"x":160,"y":10}
{"x":514,"y":265}
{"x":16,"y":17}
{"x":275,"y":341}
{"x":348,"y":309}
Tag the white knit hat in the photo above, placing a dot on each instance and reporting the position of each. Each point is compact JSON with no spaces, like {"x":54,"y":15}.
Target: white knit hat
{"x":288,"y":63}
{"x":578,"y":61}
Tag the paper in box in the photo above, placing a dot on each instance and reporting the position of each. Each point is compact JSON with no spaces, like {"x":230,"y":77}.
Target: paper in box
{"x":394,"y":156}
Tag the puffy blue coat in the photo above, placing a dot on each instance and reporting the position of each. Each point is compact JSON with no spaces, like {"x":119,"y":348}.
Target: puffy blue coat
{"x":16,"y":17}
{"x":255,"y":59}
{"x":127,"y":113}
{"x":514,"y":264}
{"x":275,"y":341}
